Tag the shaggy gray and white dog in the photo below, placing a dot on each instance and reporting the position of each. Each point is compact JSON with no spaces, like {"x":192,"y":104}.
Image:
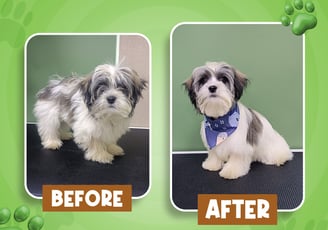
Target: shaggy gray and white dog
{"x":233,"y":134}
{"x":94,"y":110}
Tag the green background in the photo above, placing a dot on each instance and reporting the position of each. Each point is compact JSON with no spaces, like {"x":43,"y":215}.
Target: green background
{"x":154,"y":19}
{"x":259,"y":51}
{"x":62,"y":55}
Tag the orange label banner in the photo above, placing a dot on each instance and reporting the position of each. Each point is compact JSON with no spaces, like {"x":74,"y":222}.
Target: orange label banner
{"x":250,"y":209}
{"x":87,"y":197}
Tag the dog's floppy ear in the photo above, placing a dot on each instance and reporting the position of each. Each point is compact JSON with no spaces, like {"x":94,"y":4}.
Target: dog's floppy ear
{"x":137,"y":84}
{"x":141,"y":84}
{"x":191,"y":93}
{"x":240,"y":83}
{"x":187,"y":84}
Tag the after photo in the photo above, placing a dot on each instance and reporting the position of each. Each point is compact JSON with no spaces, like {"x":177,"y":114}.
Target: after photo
{"x":237,"y":117}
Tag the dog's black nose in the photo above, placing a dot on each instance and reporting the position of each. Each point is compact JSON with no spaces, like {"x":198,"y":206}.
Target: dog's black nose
{"x":212,"y":88}
{"x":111,"y":99}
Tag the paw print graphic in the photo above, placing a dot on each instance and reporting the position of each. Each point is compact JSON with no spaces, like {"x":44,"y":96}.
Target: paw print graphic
{"x":300,"y":15}
{"x":21,"y":215}
{"x":13,"y":19}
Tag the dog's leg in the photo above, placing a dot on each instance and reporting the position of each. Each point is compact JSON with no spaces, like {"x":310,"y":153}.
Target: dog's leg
{"x":48,"y":131}
{"x":278,"y":157}
{"x":236,"y":166}
{"x":97,"y":151}
{"x":212,"y":162}
{"x":115,"y":150}
{"x":48,"y":124}
{"x":50,"y":140}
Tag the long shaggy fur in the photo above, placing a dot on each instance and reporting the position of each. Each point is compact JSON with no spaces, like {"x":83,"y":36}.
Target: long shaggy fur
{"x":95,"y":110}
{"x":213,"y":89}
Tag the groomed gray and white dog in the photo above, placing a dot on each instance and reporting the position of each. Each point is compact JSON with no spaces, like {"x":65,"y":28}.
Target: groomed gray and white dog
{"x":233,"y":134}
{"x":95,"y":110}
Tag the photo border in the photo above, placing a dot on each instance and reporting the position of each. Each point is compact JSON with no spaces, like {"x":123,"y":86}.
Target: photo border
{"x":117,"y":62}
{"x":192,"y":152}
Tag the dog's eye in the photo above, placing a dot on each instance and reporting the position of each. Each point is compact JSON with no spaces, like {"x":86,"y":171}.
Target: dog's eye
{"x":223,"y":79}
{"x":203,"y":79}
{"x":100,"y":89}
{"x":124,"y":89}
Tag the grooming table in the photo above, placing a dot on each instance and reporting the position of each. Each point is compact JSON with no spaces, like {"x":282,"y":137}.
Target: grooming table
{"x":68,"y":166}
{"x":189,"y":179}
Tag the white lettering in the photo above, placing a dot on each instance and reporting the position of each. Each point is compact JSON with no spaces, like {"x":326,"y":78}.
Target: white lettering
{"x":241,"y":207}
{"x":249,"y":211}
{"x":106,"y":197}
{"x":212,"y":209}
{"x":238,"y":204}
{"x":68,"y":199}
{"x":263,"y":208}
{"x":117,"y":201}
{"x":56,"y":198}
{"x":92,"y":198}
{"x":224,"y":208}
{"x":78,"y":197}
{"x":88,"y":199}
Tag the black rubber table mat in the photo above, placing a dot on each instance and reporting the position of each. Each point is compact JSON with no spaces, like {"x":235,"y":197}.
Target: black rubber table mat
{"x":68,"y":166}
{"x":189,"y":179}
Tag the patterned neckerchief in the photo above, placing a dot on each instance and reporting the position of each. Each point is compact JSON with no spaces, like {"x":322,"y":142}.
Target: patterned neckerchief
{"x":217,"y":130}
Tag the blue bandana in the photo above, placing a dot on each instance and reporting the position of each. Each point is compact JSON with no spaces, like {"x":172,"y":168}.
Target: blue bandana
{"x":221,"y":128}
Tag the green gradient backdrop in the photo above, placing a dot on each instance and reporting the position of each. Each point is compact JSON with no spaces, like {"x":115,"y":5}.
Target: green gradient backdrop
{"x":154,"y":19}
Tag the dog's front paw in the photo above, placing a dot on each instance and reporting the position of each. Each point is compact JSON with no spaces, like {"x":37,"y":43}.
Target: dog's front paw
{"x":229,"y":172}
{"x":115,"y":150}
{"x":52,"y":144}
{"x":101,"y":157}
{"x":212,"y":164}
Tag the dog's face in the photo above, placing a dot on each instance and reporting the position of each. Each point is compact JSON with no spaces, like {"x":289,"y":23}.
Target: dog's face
{"x":215,"y":87}
{"x":112,"y":91}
